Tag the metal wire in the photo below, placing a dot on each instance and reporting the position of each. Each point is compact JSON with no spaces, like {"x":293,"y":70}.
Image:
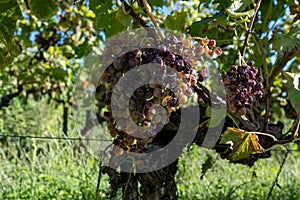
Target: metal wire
{"x":54,"y":138}
{"x":87,"y":139}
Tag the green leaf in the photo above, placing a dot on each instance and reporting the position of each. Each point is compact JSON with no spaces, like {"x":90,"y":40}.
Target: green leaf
{"x":237,"y":5}
{"x":123,"y":18}
{"x":9,"y":47}
{"x":100,"y":7}
{"x":245,"y":4}
{"x":217,"y":116}
{"x":222,"y":4}
{"x":248,"y":13}
{"x":217,"y":26}
{"x":43,"y":9}
{"x":205,"y":1}
{"x":243,"y":143}
{"x":176,"y":21}
{"x":199,"y":27}
{"x":114,"y":26}
{"x":294,"y":97}
{"x":107,"y":20}
{"x":59,"y":74}
{"x":68,"y":51}
{"x":293,"y":89}
{"x":285,"y":42}
{"x":95,"y":6}
{"x":157,"y":3}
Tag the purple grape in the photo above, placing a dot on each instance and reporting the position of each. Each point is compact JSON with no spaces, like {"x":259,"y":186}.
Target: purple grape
{"x":141,"y":102}
{"x":244,"y":83}
{"x":171,"y":58}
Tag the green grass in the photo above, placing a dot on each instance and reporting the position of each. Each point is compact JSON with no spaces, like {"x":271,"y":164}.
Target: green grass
{"x":234,"y":181}
{"x":57,"y":169}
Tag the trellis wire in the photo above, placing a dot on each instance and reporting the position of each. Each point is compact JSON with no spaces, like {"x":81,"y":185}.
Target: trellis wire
{"x":87,"y":139}
{"x":54,"y":138}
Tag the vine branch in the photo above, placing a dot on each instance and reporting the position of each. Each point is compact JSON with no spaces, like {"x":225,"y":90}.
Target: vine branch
{"x":281,"y":62}
{"x":4,"y":101}
{"x":151,"y":16}
{"x":250,"y":29}
{"x":133,"y":14}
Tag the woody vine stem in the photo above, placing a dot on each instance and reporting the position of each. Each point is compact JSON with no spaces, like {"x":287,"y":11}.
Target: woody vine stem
{"x":250,"y":29}
{"x":151,"y":16}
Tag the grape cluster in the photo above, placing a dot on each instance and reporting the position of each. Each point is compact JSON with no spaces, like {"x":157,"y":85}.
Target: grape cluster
{"x":244,"y":88}
{"x":179,"y":53}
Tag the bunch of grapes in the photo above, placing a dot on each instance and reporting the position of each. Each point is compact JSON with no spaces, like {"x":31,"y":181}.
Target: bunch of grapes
{"x":179,"y":53}
{"x":244,"y":88}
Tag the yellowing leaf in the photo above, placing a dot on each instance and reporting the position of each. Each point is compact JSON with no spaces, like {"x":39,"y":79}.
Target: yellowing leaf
{"x":243,"y":143}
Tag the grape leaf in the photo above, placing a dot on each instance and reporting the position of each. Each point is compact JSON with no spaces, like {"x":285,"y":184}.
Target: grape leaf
{"x":123,"y":18}
{"x":59,"y":74}
{"x":222,"y":4}
{"x":248,"y":13}
{"x":235,"y":6}
{"x":293,"y":89}
{"x":197,"y":27}
{"x":111,"y":22}
{"x":245,"y":4}
{"x":217,"y":26}
{"x":158,"y":3}
{"x":284,"y":42}
{"x":243,"y":143}
{"x":100,"y":7}
{"x":217,"y":116}
{"x":293,"y":96}
{"x":9,"y":47}
{"x":176,"y":21}
{"x":205,"y":1}
{"x":44,"y":9}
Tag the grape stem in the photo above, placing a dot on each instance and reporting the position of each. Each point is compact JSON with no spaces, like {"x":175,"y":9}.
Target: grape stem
{"x":151,"y":16}
{"x":208,"y":97}
{"x":250,"y":29}
{"x":241,"y":60}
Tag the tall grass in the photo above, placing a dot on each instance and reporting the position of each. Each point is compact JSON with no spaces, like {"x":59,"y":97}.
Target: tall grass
{"x":60,"y":169}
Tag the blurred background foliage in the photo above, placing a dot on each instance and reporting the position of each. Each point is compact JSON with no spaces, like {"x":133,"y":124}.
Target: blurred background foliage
{"x":42,"y":49}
